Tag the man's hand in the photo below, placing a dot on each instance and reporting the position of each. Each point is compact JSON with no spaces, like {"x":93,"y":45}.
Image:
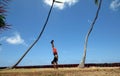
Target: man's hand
{"x":52,"y":41}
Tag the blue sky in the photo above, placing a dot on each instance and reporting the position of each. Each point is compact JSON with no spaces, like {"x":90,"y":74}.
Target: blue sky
{"x":68,"y":25}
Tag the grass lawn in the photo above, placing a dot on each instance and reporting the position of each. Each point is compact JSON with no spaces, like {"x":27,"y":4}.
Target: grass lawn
{"x":92,"y":71}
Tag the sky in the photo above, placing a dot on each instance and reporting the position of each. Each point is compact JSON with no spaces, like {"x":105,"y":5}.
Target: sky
{"x":68,"y":25}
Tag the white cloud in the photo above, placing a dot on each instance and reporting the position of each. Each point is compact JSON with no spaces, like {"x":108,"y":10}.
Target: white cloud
{"x":115,"y":5}
{"x":61,"y":5}
{"x":15,"y":39}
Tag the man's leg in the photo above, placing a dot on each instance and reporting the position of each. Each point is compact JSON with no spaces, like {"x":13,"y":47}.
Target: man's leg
{"x":53,"y":63}
{"x":56,"y":65}
{"x":56,"y":62}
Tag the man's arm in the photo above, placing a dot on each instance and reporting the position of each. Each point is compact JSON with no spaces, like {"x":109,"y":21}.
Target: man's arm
{"x":52,"y":42}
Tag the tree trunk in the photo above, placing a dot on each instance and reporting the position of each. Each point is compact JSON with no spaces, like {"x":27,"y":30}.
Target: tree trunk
{"x":39,"y":36}
{"x":82,"y":64}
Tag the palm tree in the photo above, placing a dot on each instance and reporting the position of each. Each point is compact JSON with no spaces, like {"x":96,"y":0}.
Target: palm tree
{"x":82,"y":64}
{"x":3,"y":24}
{"x":39,"y":36}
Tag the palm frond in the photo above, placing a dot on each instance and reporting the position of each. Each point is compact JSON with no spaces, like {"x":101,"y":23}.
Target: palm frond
{"x":3,"y":24}
{"x":58,"y":2}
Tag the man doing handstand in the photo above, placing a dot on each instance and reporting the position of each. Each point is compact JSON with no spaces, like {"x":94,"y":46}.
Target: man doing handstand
{"x":55,"y":60}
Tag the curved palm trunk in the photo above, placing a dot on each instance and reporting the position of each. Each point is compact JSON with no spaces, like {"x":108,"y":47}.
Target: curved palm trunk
{"x":82,"y":64}
{"x":37,"y":37}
